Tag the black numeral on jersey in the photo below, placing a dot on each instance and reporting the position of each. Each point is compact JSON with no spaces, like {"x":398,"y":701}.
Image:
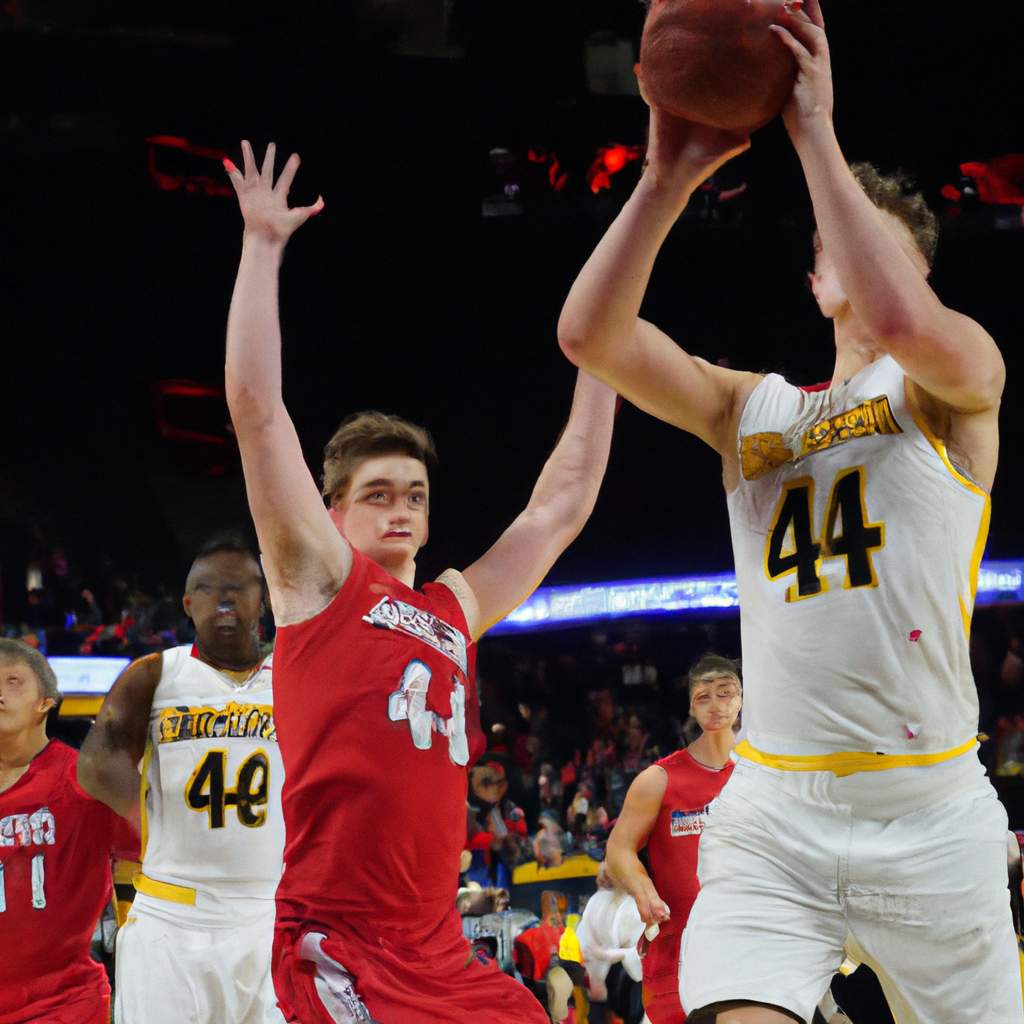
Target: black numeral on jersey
{"x":205,"y":789}
{"x":791,"y":545}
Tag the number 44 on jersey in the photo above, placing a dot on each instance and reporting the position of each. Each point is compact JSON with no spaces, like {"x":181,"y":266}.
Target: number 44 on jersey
{"x":794,"y":521}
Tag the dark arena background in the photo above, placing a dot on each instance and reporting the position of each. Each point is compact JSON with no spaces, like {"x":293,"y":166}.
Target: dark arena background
{"x":471,"y":153}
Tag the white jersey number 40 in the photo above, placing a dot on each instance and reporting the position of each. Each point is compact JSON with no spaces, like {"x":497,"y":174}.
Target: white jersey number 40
{"x":205,"y":788}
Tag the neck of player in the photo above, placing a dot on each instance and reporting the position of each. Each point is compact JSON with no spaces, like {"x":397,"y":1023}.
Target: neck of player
{"x":17,"y":751}
{"x":856,"y":346}
{"x":233,"y":652}
{"x":713,"y":747}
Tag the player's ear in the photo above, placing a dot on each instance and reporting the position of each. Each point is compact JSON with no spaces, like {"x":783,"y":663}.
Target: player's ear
{"x":186,"y":603}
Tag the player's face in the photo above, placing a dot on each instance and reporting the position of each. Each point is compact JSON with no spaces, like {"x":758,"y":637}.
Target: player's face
{"x":224,"y":599}
{"x":825,"y":282}
{"x":384,"y":514}
{"x":22,"y":704}
{"x":716,"y":701}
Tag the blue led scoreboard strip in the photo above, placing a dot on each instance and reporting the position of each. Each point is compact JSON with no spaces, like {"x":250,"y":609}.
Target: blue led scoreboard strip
{"x":693,"y":596}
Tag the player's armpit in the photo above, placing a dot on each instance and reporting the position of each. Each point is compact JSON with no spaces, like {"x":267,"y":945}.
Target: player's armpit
{"x":114,"y":746}
{"x":305,"y":558}
{"x":656,"y":375}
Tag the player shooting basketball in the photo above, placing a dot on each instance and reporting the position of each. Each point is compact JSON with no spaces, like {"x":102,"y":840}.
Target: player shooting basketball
{"x":374,"y":681}
{"x":859,"y":514}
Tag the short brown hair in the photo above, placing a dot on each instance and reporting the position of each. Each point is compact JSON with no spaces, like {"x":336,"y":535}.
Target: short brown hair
{"x":713,"y":663}
{"x":17,"y":652}
{"x":893,"y":194}
{"x":367,"y":435}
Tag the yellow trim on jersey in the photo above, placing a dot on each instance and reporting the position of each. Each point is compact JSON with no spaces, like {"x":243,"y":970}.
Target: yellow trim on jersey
{"x":986,"y":513}
{"x":164,"y":890}
{"x":940,"y":447}
{"x":847,"y":762}
{"x":143,"y":785}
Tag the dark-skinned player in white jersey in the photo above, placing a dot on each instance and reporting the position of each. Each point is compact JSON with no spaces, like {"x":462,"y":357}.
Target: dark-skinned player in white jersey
{"x":858,"y":812}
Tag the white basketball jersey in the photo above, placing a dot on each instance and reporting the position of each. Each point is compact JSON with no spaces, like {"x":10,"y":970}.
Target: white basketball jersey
{"x":857,"y":547}
{"x":212,"y":779}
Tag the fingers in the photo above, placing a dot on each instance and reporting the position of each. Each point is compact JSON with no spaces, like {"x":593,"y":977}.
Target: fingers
{"x":248,"y":160}
{"x":810,"y":32}
{"x":798,"y":49}
{"x":267,"y":171}
{"x":312,"y":211}
{"x":284,"y":182}
{"x":814,"y":11}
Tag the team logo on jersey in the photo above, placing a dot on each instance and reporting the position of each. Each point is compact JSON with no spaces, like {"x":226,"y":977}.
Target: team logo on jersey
{"x":36,"y":829}
{"x":415,"y":622}
{"x":409,"y":703}
{"x":761,"y":453}
{"x":234,"y":721}
{"x":688,"y":823}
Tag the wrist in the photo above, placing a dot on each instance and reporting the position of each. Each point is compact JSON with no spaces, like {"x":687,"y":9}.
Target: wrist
{"x":813,"y":134}
{"x":263,"y":239}
{"x":666,"y":192}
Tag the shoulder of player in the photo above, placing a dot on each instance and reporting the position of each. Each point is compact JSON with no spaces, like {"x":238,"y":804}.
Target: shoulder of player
{"x":454,"y":581}
{"x":650,"y":784}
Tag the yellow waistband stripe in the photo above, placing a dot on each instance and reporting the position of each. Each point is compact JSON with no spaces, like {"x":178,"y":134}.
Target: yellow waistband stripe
{"x":848,"y":761}
{"x":163,"y":890}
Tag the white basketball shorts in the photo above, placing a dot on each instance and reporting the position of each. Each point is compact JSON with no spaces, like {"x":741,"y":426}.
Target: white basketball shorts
{"x":788,"y":872}
{"x":207,"y":964}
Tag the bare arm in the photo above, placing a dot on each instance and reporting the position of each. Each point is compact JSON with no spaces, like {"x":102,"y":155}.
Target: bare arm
{"x":560,"y":505}
{"x":632,"y":830}
{"x":600,"y":329}
{"x":114,"y":746}
{"x":948,"y":355}
{"x":305,"y":559}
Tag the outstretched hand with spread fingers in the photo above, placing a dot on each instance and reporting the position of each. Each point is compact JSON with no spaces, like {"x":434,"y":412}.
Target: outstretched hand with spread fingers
{"x":265,"y":205}
{"x":811,"y":102}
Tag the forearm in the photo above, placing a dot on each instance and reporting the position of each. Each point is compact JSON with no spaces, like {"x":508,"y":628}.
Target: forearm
{"x":111,"y":776}
{"x":625,"y":868}
{"x":568,"y":485}
{"x":604,"y":302}
{"x":253,"y":360}
{"x":885,"y":288}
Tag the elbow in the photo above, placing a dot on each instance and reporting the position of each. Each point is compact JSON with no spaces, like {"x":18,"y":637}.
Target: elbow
{"x":574,"y":340}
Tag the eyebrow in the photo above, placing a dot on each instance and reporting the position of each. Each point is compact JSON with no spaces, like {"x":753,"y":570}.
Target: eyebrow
{"x":385,"y":482}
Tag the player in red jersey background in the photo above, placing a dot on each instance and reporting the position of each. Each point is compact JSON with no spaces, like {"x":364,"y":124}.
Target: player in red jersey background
{"x":375,"y":689}
{"x":664,"y":811}
{"x":56,"y":847}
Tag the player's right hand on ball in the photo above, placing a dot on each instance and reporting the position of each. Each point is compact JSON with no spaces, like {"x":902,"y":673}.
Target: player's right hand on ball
{"x":684,"y":153}
{"x":264,"y":205}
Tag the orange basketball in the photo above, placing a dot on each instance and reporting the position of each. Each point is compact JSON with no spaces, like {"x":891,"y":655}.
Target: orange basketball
{"x":717,"y":61}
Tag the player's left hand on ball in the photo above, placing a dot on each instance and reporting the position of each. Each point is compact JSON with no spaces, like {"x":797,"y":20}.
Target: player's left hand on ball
{"x":812,"y":94}
{"x":264,"y":205}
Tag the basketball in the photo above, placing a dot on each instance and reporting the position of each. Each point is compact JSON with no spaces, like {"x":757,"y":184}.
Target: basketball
{"x":717,"y":61}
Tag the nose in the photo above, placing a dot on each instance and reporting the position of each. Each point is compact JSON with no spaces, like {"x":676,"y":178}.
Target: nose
{"x":225,"y":605}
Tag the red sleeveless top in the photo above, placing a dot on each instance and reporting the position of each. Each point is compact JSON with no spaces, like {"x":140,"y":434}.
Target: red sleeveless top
{"x":377,"y":719}
{"x":672,"y":851}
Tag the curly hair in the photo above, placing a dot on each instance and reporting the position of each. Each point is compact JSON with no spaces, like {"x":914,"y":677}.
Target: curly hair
{"x":367,"y":435}
{"x":894,"y":194}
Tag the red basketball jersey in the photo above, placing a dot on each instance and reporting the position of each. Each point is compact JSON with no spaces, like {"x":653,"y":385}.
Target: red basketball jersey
{"x":672,"y":850}
{"x":56,"y":846}
{"x":377,"y":719}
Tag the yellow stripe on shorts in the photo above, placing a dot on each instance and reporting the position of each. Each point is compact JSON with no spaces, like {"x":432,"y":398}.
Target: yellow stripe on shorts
{"x":163,"y":890}
{"x":848,"y":761}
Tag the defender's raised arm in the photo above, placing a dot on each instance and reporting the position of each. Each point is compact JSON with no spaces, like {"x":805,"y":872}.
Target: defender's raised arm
{"x":560,"y":505}
{"x":303,"y":553}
